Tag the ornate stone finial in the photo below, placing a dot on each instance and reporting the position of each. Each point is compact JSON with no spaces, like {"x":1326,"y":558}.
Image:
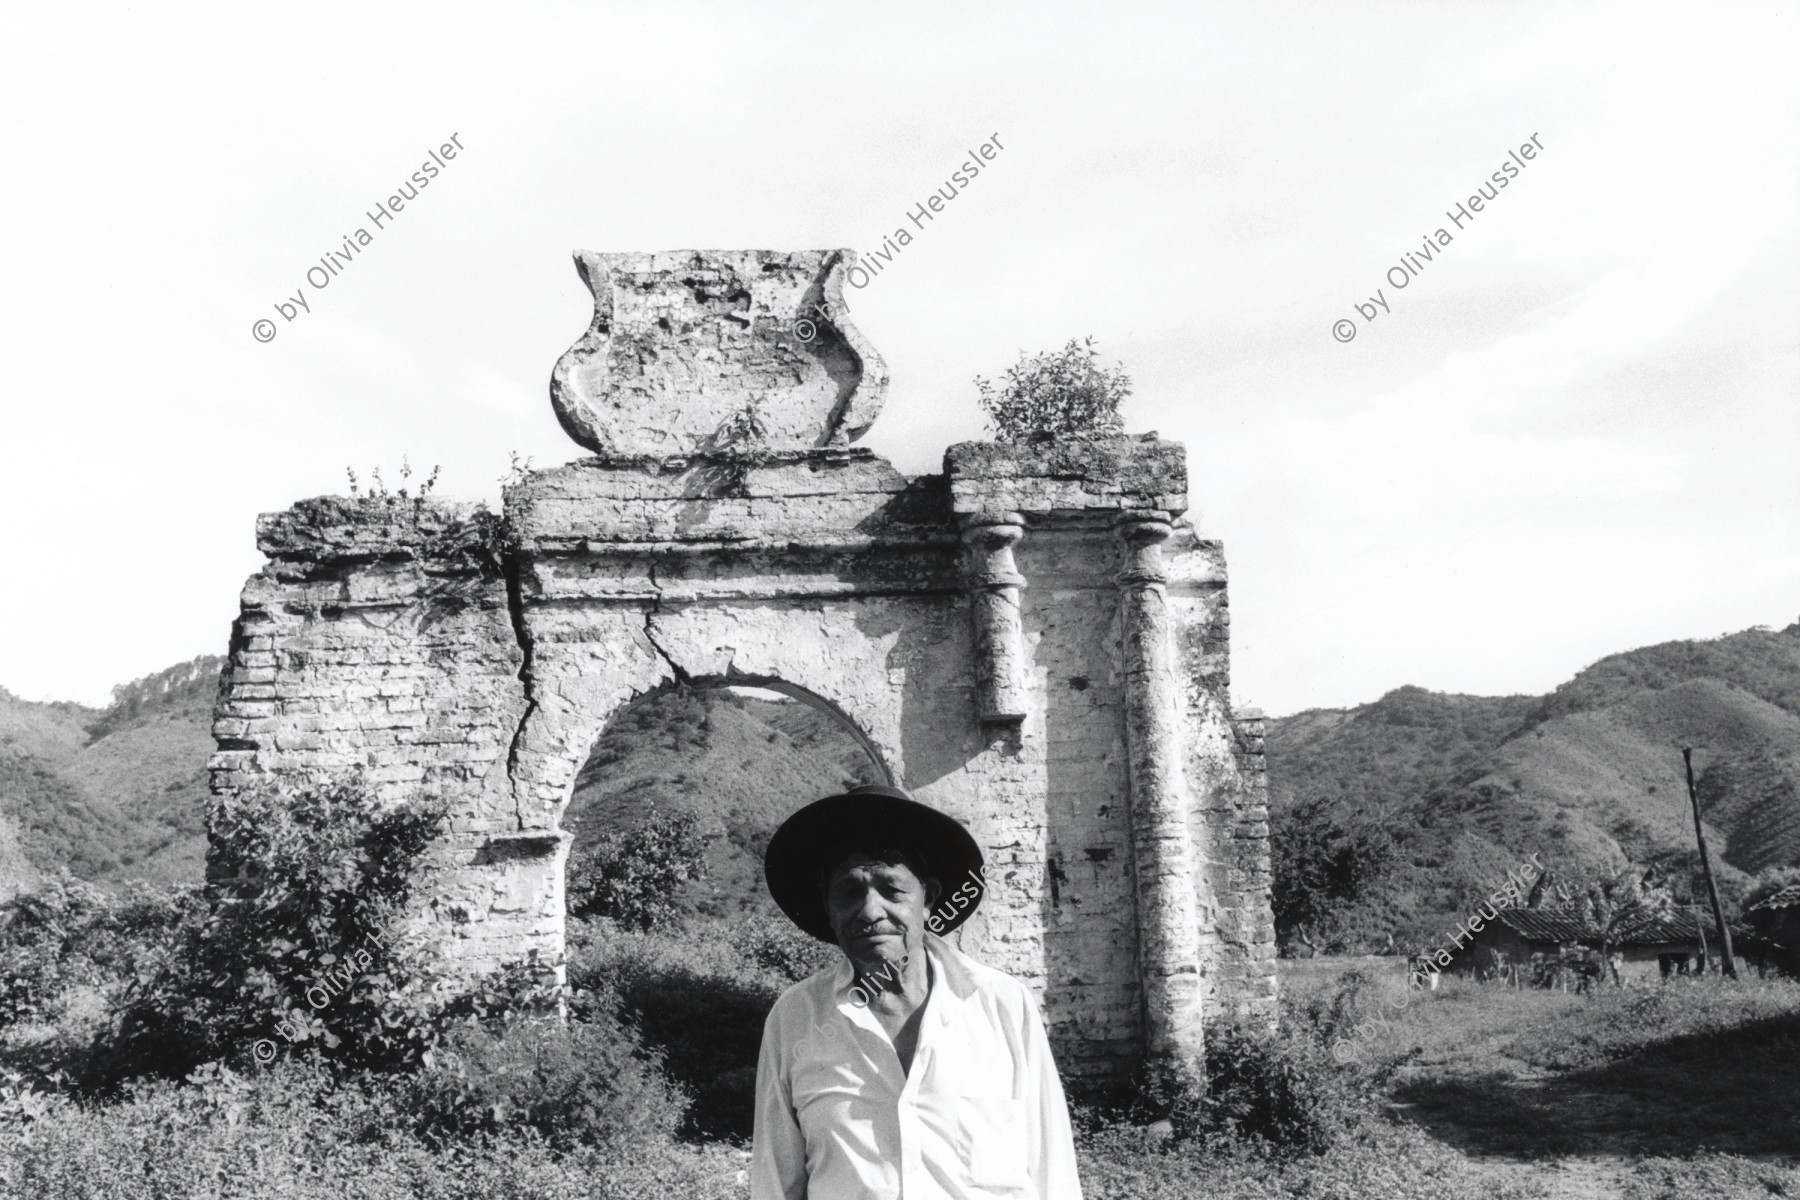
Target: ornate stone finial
{"x":692,"y":351}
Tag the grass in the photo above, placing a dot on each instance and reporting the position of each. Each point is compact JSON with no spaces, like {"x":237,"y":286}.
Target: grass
{"x":1391,"y":1162}
{"x":1652,"y":1088}
{"x":276,"y":1135}
{"x":1651,"y":1093}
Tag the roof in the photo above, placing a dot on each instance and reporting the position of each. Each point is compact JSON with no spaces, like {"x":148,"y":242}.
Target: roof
{"x":1787,"y":897}
{"x":1544,"y":924}
{"x":1681,"y":925}
{"x":1565,"y":925}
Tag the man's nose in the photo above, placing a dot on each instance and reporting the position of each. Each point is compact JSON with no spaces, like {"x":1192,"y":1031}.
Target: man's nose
{"x":872,"y":911}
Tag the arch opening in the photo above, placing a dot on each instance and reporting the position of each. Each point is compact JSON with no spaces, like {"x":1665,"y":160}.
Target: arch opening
{"x":675,"y":803}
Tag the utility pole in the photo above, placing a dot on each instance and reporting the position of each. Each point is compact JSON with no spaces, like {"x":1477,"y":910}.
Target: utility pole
{"x":1727,"y":960}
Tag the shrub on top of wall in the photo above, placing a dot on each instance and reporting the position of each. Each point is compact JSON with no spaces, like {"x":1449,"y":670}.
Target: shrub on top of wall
{"x":1059,"y":393}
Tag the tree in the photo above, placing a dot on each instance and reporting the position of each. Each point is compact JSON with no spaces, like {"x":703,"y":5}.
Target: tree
{"x":1613,"y":906}
{"x":304,"y":939}
{"x":1323,"y":865}
{"x":1059,"y":392}
{"x":1770,"y":881}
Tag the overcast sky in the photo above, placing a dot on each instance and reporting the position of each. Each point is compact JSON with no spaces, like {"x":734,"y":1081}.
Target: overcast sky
{"x":1575,"y":431}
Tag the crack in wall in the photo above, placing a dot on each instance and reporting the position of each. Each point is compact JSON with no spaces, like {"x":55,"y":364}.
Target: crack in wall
{"x":512,"y":566}
{"x":681,"y":676}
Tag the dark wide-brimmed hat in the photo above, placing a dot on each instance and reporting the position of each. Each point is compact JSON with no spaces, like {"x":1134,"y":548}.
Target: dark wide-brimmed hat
{"x":870,"y":817}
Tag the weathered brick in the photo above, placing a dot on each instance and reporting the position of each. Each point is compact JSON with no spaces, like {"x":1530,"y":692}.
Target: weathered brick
{"x":377,"y":640}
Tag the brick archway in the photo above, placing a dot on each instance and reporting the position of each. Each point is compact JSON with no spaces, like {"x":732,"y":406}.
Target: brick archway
{"x":1035,"y":641}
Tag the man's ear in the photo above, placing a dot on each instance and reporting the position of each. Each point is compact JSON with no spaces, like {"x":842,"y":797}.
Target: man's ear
{"x":933,"y":889}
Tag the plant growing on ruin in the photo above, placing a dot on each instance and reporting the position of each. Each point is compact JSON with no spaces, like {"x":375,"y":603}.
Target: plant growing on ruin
{"x":1061,"y":392}
{"x":378,"y":488}
{"x":518,"y":470}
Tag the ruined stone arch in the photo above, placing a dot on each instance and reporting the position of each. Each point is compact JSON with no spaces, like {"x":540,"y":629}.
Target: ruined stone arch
{"x":1034,"y":640}
{"x":768,"y":683}
{"x":778,"y":647}
{"x":807,"y":770}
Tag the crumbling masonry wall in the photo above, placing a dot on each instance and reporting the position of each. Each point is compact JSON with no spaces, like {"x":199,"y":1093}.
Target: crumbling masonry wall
{"x":1035,"y":641}
{"x":449,"y":654}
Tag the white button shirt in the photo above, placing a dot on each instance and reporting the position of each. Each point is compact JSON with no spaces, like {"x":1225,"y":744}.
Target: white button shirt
{"x":981,"y":1114}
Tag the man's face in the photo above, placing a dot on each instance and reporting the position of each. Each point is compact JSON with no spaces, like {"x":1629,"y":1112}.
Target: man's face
{"x":877,"y":910}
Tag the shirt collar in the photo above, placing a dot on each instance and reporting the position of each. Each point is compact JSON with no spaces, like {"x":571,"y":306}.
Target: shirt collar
{"x":950,"y":962}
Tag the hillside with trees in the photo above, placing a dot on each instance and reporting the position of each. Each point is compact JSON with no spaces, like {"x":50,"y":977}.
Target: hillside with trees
{"x":110,"y":794}
{"x":1392,"y":817}
{"x":1388,"y":818}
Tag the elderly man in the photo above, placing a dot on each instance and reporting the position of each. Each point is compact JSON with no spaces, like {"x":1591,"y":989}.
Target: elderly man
{"x":908,"y":1070}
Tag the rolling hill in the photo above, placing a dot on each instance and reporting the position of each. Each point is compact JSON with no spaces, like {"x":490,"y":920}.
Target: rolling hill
{"x":1461,"y":788}
{"x":1589,"y":777}
{"x":111,"y":794}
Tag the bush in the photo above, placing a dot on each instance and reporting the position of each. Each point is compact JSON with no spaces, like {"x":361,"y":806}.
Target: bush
{"x":1284,"y":1091}
{"x":1061,"y":392}
{"x":318,"y":879}
{"x":632,"y":877}
{"x":69,"y":934}
{"x":589,"y":1083}
{"x":777,"y":945}
{"x":1265,"y":1092}
{"x":1333,"y":1013}
{"x":299,"y":1133}
{"x":696,"y":998}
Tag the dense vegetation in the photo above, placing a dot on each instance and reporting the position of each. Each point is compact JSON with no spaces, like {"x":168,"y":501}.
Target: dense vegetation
{"x":645,"y":1092}
{"x":293,"y":1041}
{"x":290,"y":1037}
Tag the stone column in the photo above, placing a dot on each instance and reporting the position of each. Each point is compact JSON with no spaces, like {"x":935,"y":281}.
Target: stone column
{"x":994,"y":583}
{"x":1167,"y":910}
